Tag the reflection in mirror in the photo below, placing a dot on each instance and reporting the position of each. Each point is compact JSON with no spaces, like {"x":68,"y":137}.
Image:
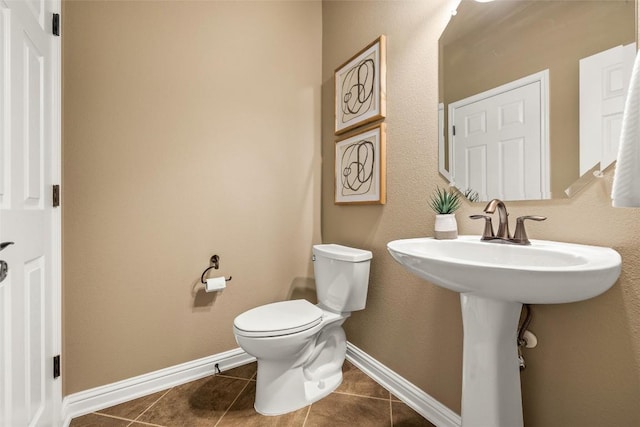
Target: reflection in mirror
{"x":510,"y":116}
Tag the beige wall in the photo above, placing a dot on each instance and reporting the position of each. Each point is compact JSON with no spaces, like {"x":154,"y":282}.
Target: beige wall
{"x":175,"y":148}
{"x":190,"y":129}
{"x":586,"y":368}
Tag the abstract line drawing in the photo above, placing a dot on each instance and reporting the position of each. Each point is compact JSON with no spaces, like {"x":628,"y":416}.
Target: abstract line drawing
{"x":360,"y":168}
{"x":357,"y":167}
{"x":360,"y":86}
{"x":357,"y":89}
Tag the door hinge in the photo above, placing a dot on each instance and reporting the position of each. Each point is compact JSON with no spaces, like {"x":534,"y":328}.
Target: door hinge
{"x":454,"y":130}
{"x":56,"y":366}
{"x":56,"y":196}
{"x":55,"y":27}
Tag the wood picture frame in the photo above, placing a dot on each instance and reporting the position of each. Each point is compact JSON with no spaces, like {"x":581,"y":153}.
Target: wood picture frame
{"x":360,"y":168}
{"x":360,"y":87}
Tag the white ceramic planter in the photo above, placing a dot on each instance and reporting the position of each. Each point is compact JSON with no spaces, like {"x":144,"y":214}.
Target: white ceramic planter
{"x":446,"y":227}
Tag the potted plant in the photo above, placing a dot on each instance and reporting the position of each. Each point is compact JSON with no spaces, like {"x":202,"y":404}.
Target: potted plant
{"x":445,"y":203}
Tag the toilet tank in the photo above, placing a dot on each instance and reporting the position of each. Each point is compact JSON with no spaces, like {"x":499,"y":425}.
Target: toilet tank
{"x":342,"y":276}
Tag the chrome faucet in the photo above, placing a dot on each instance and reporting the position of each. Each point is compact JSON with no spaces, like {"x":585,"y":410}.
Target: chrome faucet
{"x":503,"y":235}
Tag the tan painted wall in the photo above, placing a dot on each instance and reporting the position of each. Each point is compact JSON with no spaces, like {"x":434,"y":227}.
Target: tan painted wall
{"x":586,"y":369}
{"x":190,"y":129}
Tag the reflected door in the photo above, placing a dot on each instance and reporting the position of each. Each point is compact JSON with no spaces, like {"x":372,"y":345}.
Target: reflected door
{"x":604,"y":83}
{"x":499,"y":142}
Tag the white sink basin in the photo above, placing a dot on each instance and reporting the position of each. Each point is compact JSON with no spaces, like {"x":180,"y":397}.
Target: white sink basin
{"x":543,"y":273}
{"x":494,"y":280}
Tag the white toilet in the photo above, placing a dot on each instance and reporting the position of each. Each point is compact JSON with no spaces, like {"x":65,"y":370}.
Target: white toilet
{"x":300,"y":347}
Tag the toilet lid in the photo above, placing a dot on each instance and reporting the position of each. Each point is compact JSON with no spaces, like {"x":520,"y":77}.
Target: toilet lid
{"x":278,"y":318}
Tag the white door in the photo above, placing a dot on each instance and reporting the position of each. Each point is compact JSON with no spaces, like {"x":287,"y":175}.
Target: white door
{"x":500,"y":144}
{"x":29,"y":166}
{"x":604,"y":83}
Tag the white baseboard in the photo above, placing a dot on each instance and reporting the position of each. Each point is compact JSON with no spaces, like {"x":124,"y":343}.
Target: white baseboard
{"x":414,"y":397}
{"x":102,"y":397}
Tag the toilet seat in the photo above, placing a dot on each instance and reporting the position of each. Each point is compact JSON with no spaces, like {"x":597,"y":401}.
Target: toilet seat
{"x":277,"y":319}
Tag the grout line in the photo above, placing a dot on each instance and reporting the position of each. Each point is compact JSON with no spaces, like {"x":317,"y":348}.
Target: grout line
{"x":145,"y":423}
{"x":234,"y":401}
{"x":150,"y":406}
{"x":111,"y":416}
{"x":390,"y":410}
{"x":232,"y":377}
{"x":361,"y":395}
{"x":124,"y":419}
{"x":307,"y":415}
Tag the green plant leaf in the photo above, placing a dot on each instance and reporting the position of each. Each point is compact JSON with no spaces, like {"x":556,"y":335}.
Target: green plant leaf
{"x":444,"y":202}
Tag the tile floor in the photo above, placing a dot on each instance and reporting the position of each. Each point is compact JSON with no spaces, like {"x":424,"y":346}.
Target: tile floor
{"x":226,"y":399}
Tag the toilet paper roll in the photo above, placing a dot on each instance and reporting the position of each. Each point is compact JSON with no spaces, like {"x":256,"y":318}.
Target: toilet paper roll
{"x":215,"y":284}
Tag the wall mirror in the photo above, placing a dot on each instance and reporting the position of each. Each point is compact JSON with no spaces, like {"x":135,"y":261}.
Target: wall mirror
{"x":510,"y":73}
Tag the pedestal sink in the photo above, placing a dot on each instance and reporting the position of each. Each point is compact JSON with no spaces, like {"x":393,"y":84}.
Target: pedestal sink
{"x":494,"y":280}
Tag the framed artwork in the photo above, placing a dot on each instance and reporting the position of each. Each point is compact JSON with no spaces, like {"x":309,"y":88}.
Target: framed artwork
{"x":361,"y":88}
{"x":360,"y":168}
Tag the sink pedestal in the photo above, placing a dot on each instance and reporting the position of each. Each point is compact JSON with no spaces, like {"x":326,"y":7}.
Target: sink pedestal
{"x":494,"y":280}
{"x":490,"y":370}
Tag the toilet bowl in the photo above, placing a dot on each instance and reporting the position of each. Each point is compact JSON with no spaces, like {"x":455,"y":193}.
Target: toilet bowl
{"x":301,"y":347}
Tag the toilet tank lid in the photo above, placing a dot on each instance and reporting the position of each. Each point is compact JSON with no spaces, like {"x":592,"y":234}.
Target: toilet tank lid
{"x":342,"y":253}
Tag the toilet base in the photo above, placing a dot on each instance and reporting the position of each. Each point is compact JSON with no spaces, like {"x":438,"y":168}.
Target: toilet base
{"x":284,"y":386}
{"x":282,"y":391}
{"x":298,"y":369}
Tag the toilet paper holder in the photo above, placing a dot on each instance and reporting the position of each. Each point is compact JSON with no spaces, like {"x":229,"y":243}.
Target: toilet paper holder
{"x":215,"y":264}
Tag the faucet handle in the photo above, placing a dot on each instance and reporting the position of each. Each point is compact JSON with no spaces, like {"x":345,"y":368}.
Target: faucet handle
{"x":487,"y":234}
{"x":520,"y":236}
